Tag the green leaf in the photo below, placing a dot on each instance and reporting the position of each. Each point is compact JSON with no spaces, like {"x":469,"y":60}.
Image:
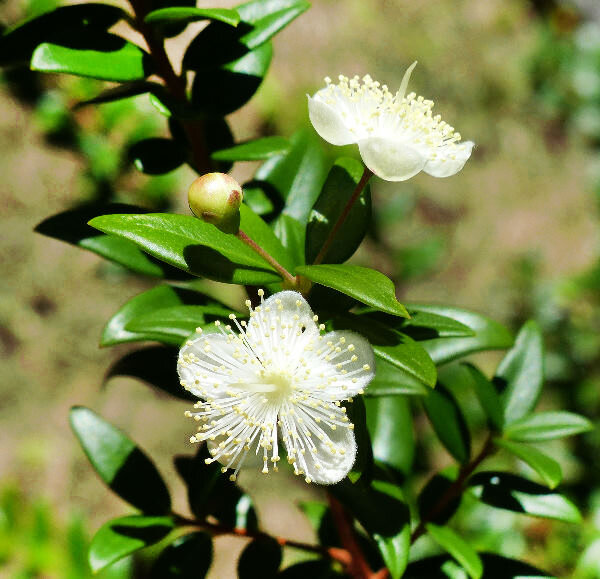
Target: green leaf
{"x":186,"y":557}
{"x":409,"y":359}
{"x":430,"y":509}
{"x":488,"y":397}
{"x":186,"y":14}
{"x":336,"y":193}
{"x":257,"y":150}
{"x":489,"y":335}
{"x":392,"y":381}
{"x":548,"y":469}
{"x":364,"y":457}
{"x":448,"y":422}
{"x":70,"y":25}
{"x":368,"y":286}
{"x":515,"y":493}
{"x":458,"y":548}
{"x":520,"y":375}
{"x":163,"y":296}
{"x":157,"y":155}
{"x":426,"y":326}
{"x":115,"y":60}
{"x":72,"y":226}
{"x":390,"y":425}
{"x":155,"y":366}
{"x":192,"y":245}
{"x":119,"y":462}
{"x":547,"y":426}
{"x":261,"y":558}
{"x":121,"y":537}
{"x":121,"y":91}
{"x":315,"y":569}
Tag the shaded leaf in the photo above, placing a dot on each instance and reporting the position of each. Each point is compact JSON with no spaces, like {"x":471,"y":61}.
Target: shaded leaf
{"x":429,"y":497}
{"x":119,"y":462}
{"x":188,"y":557}
{"x":257,"y":150}
{"x":315,"y":569}
{"x":547,"y":426}
{"x":121,"y":91}
{"x":261,"y":558}
{"x":488,"y":397}
{"x":364,"y":456}
{"x":458,"y":548}
{"x":121,"y":537}
{"x":157,"y":155}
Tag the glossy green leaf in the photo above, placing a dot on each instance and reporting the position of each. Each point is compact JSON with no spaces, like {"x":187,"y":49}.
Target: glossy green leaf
{"x":548,"y":469}
{"x":119,"y":462}
{"x":488,"y":397}
{"x":547,"y":426}
{"x":121,"y":91}
{"x":72,"y":226}
{"x":390,"y":381}
{"x":458,"y":548}
{"x":115,"y":60}
{"x":121,"y":537}
{"x":448,"y":422}
{"x":489,"y":335}
{"x":186,"y":14}
{"x":160,"y":297}
{"x":257,"y":150}
{"x":389,"y":421}
{"x":427,"y":325}
{"x":192,"y":245}
{"x":428,"y":502}
{"x":336,"y":193}
{"x":156,"y":367}
{"x":409,"y":359}
{"x":520,"y":375}
{"x":515,"y":493}
{"x":188,"y":556}
{"x":157,"y":155}
{"x":366,"y":285}
{"x":261,"y":558}
{"x":70,"y":25}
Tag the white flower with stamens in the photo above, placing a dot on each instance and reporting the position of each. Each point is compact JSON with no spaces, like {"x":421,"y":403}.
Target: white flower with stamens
{"x":397,"y":134}
{"x":277,"y":378}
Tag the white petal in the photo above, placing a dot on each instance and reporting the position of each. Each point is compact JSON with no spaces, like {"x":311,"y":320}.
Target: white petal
{"x":334,"y":467}
{"x":450,"y":159}
{"x":391,"y":160}
{"x":329,"y":123}
{"x":358,"y":373}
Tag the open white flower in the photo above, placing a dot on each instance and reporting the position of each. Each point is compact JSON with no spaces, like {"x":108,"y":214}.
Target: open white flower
{"x":277,"y":376}
{"x":397,"y":135}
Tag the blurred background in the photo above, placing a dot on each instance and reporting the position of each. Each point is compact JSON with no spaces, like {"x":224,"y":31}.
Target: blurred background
{"x":515,"y":235}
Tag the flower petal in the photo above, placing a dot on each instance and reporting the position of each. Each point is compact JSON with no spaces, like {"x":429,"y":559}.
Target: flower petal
{"x":328,"y":122}
{"x":449,"y":159}
{"x":391,"y":160}
{"x":333,"y":466}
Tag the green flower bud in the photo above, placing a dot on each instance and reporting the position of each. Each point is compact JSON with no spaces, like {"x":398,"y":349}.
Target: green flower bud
{"x":216,"y":198}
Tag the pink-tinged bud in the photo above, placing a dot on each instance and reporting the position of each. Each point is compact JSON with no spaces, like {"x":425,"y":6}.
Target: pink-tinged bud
{"x":216,"y":198}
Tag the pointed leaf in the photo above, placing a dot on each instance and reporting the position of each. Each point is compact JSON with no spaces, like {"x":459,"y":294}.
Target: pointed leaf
{"x":390,"y":380}
{"x":121,"y":91}
{"x":119,"y":462}
{"x":186,"y":14}
{"x":548,"y":469}
{"x":257,"y":150}
{"x":363,"y":284}
{"x":458,"y":548}
{"x":520,"y":375}
{"x":547,"y":426}
{"x":515,"y":493}
{"x":121,"y":537}
{"x":488,"y":397}
{"x":186,"y":557}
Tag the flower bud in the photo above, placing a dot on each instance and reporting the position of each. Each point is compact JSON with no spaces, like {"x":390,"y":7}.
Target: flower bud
{"x":216,"y":198}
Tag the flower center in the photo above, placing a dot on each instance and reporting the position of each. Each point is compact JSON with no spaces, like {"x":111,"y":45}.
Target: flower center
{"x":277,"y":386}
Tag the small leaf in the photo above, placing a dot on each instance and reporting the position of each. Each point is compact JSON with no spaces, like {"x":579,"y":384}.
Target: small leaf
{"x":336,"y":193}
{"x":261,"y":558}
{"x":448,"y":422}
{"x":186,"y":557}
{"x":257,"y":150}
{"x":458,"y":548}
{"x":121,"y":537}
{"x":489,"y":335}
{"x":547,"y":426}
{"x":186,"y":14}
{"x":427,"y":325}
{"x":548,"y":469}
{"x":192,"y":245}
{"x":366,"y":285}
{"x":390,"y":425}
{"x":488,"y":397}
{"x":119,"y":462}
{"x":116,"y":60}
{"x":514,"y":493}
{"x":520,"y":375}
{"x":156,"y":156}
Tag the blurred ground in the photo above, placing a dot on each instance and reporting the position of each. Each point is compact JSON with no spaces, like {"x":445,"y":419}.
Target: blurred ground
{"x":523,"y":192}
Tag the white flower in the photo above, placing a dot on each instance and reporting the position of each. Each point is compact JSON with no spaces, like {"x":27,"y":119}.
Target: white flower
{"x":397,"y":135}
{"x":277,"y":376}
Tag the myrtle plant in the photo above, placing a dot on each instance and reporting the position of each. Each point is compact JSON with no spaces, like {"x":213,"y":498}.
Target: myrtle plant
{"x":323,"y":369}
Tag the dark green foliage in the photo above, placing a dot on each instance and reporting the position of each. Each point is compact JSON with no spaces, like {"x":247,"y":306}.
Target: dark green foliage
{"x":261,"y":558}
{"x":188,"y":557}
